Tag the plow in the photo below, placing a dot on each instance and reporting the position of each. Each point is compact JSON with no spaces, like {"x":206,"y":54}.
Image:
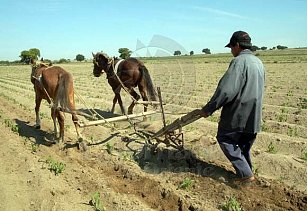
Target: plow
{"x":170,"y":135}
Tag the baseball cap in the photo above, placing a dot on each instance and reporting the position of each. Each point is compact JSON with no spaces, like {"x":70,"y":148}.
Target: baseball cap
{"x":240,"y":37}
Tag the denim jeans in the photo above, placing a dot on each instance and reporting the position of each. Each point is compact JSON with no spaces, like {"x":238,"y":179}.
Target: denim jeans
{"x":236,"y":147}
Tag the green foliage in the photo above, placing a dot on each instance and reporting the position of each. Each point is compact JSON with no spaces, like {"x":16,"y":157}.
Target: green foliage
{"x":67,"y":60}
{"x":9,"y":123}
{"x":304,"y":156}
{"x":95,"y":202}
{"x":281,"y":47}
{"x":303,"y":103}
{"x":56,"y":167}
{"x":265,"y":127}
{"x":27,"y":55}
{"x":110,"y":148}
{"x":255,"y":170}
{"x":206,"y":51}
{"x":80,"y":57}
{"x":124,"y":53}
{"x":34,"y":147}
{"x":292,"y":132}
{"x":191,"y":53}
{"x":177,"y":53}
{"x":185,"y":184}
{"x":271,"y":148}
{"x":231,"y":205}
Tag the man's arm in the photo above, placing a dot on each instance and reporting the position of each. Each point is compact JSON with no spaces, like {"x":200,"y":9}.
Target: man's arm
{"x":228,"y":87}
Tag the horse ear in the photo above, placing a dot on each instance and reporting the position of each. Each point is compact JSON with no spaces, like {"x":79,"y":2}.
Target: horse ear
{"x":93,"y":54}
{"x":32,"y":61}
{"x":42,"y":59}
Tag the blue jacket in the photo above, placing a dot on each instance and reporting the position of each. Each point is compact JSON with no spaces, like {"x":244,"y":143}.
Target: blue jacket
{"x":240,"y":93}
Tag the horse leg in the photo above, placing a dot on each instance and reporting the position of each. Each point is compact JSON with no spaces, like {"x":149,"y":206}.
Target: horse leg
{"x":55,"y":126}
{"x":82,"y":143}
{"x":114,"y":102}
{"x":60,"y":117}
{"x":77,"y":127}
{"x":38,"y":101}
{"x":136,"y":97}
{"x":120,"y":102}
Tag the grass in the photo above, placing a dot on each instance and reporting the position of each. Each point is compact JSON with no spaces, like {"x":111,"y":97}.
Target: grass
{"x":110,"y":148}
{"x":34,"y":147}
{"x":185,"y":184}
{"x":255,"y":170}
{"x":272,"y":148}
{"x":9,"y":123}
{"x":304,"y":155}
{"x":56,"y":167}
{"x":231,"y":205}
{"x":96,"y":202}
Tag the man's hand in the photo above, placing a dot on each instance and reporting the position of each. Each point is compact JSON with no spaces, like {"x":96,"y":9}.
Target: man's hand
{"x":200,"y":113}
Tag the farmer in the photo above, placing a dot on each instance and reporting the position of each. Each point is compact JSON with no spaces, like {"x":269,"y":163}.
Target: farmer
{"x":239,"y":93}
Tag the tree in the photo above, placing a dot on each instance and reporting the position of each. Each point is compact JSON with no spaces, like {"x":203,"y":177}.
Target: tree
{"x":191,"y":53}
{"x":281,"y":47}
{"x":27,"y":55}
{"x":124,"y":53}
{"x":80,"y":57}
{"x":255,"y":48}
{"x":263,"y":48}
{"x":206,"y":51}
{"x":177,"y":53}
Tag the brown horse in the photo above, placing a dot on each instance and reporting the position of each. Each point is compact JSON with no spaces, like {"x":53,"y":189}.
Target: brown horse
{"x":127,"y":74}
{"x":55,"y":85}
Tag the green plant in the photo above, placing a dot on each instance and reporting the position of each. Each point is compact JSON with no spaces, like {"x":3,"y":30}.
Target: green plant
{"x":255,"y":170}
{"x":56,"y":167}
{"x":292,"y":132}
{"x":95,"y":202}
{"x":34,"y":147}
{"x":110,"y":148}
{"x":185,"y":184}
{"x":265,"y":127}
{"x":271,"y":148}
{"x":231,"y":205}
{"x":304,"y":156}
{"x":9,"y":123}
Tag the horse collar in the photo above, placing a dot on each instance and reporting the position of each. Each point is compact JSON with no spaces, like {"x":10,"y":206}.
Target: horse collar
{"x":117,"y":65}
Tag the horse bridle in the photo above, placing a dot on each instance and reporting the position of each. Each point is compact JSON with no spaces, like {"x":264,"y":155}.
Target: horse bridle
{"x":110,"y":61}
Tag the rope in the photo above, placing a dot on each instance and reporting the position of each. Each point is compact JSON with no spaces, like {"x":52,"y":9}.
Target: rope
{"x":50,"y":99}
{"x":110,"y":125}
{"x":125,"y":88}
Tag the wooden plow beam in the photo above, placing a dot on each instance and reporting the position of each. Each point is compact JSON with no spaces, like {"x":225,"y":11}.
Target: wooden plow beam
{"x":116,"y":119}
{"x":147,"y":102}
{"x":172,"y":136}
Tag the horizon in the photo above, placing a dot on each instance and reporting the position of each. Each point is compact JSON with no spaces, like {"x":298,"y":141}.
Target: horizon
{"x":65,"y":28}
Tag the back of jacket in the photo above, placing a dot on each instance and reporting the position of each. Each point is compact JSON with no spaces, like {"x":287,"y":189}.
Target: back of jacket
{"x":240,"y":93}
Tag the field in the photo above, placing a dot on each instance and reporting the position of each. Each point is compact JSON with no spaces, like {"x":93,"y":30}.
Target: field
{"x":120,"y":173}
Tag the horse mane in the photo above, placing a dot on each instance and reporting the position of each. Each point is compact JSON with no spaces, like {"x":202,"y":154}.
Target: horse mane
{"x":103,"y":54}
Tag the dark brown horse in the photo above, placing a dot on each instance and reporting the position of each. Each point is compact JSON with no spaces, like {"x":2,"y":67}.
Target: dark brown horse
{"x":55,"y":85}
{"x":131,"y":73}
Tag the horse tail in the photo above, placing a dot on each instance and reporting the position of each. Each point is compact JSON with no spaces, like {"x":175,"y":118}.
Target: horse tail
{"x":151,"y":91}
{"x":64,"y":92}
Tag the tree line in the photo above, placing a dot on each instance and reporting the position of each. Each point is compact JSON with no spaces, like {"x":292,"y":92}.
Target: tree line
{"x":34,"y":53}
{"x":253,"y":48}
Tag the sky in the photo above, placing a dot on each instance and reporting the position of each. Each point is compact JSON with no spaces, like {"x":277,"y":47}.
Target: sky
{"x":65,"y":28}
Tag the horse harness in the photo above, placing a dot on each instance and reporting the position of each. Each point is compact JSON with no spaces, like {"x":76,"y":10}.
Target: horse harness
{"x":39,"y":79}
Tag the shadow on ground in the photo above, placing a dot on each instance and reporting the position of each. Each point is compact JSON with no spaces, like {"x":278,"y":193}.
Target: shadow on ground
{"x":92,"y":114}
{"x":160,"y":159}
{"x":29,"y":131}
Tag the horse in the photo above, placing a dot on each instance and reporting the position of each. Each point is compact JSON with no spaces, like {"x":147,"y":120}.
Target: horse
{"x":55,"y":85}
{"x":127,"y":74}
